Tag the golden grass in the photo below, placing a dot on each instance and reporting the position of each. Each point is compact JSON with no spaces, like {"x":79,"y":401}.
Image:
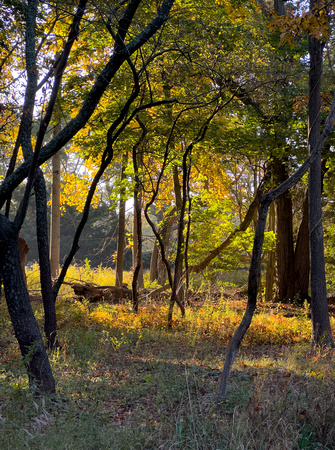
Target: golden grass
{"x":125,"y":381}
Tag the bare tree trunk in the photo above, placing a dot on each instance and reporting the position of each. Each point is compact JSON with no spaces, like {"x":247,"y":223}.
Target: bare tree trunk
{"x":177,"y":294}
{"x":165,"y":234}
{"x":23,"y":251}
{"x":180,"y":205}
{"x":322,"y":334}
{"x":137,"y":250}
{"x":155,"y":252}
{"x":48,"y":296}
{"x":284,"y":226}
{"x":121,"y":228}
{"x":55,"y":217}
{"x":153,"y":276}
{"x":271,"y":264}
{"x":300,"y":284}
{"x":25,"y":326}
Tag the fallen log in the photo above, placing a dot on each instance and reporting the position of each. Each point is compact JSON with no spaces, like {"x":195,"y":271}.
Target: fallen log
{"x":95,"y":293}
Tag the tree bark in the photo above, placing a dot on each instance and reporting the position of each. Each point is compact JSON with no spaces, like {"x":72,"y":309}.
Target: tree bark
{"x":137,"y":250}
{"x":48,"y":296}
{"x":271,"y":264}
{"x":284,"y":228}
{"x":300,"y":285}
{"x":322,"y":335}
{"x":23,"y":251}
{"x":25,"y":326}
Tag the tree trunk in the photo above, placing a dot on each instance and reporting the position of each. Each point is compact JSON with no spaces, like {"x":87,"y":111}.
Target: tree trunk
{"x":55,"y":211}
{"x":180,"y":205}
{"x":284,"y":226}
{"x":137,"y":250}
{"x":271,"y":264}
{"x":153,"y":276}
{"x":48,"y":296}
{"x":300,"y":285}
{"x":322,"y":334}
{"x":23,"y":251}
{"x":25,"y":326}
{"x":121,"y":229}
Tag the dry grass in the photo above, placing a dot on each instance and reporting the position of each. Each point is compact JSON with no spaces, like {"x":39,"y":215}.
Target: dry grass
{"x":125,"y":382}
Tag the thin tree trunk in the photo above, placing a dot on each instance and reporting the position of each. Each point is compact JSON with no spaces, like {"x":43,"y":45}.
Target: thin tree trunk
{"x":50,"y":320}
{"x":121,"y":228}
{"x":55,"y":211}
{"x":153,"y":275}
{"x":169,"y":220}
{"x":300,"y":284}
{"x":177,"y":292}
{"x":55,"y":217}
{"x":271,"y":264}
{"x":137,"y":251}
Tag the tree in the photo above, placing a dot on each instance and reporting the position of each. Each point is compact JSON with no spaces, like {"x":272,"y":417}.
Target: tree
{"x":322,"y":336}
{"x":124,"y":47}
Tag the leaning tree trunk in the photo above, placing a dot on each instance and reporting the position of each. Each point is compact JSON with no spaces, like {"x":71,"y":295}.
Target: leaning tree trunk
{"x":322,"y":334}
{"x":255,"y":265}
{"x":25,"y":326}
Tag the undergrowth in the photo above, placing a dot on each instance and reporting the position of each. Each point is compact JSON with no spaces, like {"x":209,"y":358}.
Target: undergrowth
{"x":125,"y":382}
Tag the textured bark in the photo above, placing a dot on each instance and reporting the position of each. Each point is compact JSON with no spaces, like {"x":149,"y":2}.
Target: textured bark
{"x":25,"y":326}
{"x":292,"y":263}
{"x":50,"y":321}
{"x":23,"y":251}
{"x":300,"y":284}
{"x":284,"y":228}
{"x":322,"y":334}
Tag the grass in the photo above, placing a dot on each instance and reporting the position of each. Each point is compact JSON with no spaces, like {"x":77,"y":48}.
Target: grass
{"x":125,"y":382}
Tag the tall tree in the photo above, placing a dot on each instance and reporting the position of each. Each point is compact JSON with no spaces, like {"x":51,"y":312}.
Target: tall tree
{"x":322,"y":334}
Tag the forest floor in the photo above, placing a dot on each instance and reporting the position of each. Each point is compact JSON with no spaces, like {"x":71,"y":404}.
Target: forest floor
{"x":126,"y":382}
